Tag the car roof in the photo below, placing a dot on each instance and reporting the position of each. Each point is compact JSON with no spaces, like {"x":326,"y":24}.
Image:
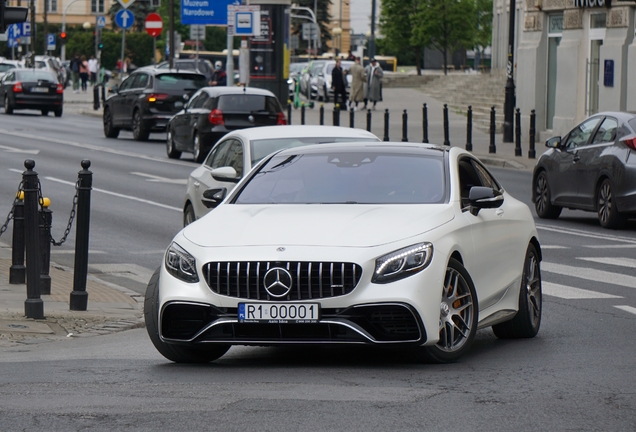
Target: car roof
{"x":619,"y":114}
{"x":223,"y":90}
{"x":268,"y":132}
{"x":395,"y":147}
{"x":158,"y":71}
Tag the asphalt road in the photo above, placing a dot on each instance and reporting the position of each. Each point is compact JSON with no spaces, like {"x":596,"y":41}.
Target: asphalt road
{"x":577,"y":374}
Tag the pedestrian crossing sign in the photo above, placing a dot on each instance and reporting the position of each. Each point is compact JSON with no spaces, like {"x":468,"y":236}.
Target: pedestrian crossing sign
{"x":101,"y":21}
{"x":125,"y":3}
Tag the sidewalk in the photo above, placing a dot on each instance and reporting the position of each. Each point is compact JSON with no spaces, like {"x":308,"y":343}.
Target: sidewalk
{"x":111,"y":308}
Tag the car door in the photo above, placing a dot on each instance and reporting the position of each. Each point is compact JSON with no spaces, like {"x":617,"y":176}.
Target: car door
{"x":182,"y":136}
{"x":491,"y":231}
{"x":202,"y":177}
{"x":592,"y":162}
{"x":132,"y":95}
{"x":197,"y":118}
{"x":115,"y":102}
{"x":563,"y":177}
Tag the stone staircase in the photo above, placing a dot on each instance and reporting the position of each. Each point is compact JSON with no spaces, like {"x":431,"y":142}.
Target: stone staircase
{"x":481,"y":91}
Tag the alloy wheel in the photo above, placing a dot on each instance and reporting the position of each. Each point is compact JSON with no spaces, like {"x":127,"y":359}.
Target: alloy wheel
{"x":541,"y":201}
{"x":457,"y":312}
{"x":604,"y":203}
{"x":532,"y":286}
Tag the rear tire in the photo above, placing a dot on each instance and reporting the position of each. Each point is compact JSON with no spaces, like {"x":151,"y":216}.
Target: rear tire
{"x":197,"y":151}
{"x":8,"y":108}
{"x":542,"y":204}
{"x":608,"y":214}
{"x":172,"y":152}
{"x":140,"y":133}
{"x":58,"y":112}
{"x":175,"y":353}
{"x":528,"y":320}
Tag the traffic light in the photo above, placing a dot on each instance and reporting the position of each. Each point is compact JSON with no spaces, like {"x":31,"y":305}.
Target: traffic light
{"x":100,"y":46}
{"x":11,"y":15}
{"x":63,"y":37}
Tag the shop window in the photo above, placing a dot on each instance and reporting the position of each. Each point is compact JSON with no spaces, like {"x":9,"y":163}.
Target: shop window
{"x":598,"y":20}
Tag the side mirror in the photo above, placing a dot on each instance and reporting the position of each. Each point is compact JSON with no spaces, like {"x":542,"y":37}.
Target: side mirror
{"x":554,"y":142}
{"x":226,"y":174}
{"x":113,"y":89}
{"x":481,"y":197}
{"x":213,"y":197}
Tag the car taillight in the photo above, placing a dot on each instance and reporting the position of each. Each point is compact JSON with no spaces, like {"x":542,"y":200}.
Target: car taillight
{"x":630,"y":142}
{"x":281,"y":119}
{"x":60,"y":88}
{"x":17,"y":87}
{"x":154,"y":97}
{"x":216,"y":117}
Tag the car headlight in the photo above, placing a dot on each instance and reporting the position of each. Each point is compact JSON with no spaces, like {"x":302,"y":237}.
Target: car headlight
{"x":402,"y":263}
{"x":181,"y":264}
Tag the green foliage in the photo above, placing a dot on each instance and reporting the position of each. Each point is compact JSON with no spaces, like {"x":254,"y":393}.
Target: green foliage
{"x":398,"y":19}
{"x":322,"y":16}
{"x":140,"y":9}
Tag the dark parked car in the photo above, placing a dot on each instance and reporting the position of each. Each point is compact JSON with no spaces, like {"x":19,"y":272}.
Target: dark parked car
{"x":147,"y":99}
{"x":198,"y":65}
{"x":32,"y":89}
{"x":592,"y":168}
{"x":215,"y":111}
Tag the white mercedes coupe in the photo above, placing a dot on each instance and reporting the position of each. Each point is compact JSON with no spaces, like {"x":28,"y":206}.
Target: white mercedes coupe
{"x":351,"y":243}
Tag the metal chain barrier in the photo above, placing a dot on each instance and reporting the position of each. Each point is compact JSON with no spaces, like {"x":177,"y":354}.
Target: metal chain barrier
{"x":70,"y":219}
{"x":3,"y":228}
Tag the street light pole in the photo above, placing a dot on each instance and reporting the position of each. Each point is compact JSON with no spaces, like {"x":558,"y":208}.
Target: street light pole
{"x":372,"y":38}
{"x":509,"y":101}
{"x":63,"y":48}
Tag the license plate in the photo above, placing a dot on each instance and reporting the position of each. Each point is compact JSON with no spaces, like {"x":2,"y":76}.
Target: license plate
{"x":39,"y":90}
{"x":279,"y":313}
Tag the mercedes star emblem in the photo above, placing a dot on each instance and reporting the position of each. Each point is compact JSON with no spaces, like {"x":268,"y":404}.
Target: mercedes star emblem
{"x":277,"y":282}
{"x":251,"y":119}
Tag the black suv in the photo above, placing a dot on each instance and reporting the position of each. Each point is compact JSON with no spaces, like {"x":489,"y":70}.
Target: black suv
{"x":146,"y":100}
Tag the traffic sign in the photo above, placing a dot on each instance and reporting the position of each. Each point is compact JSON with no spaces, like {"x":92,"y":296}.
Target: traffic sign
{"x":197,"y":32}
{"x":101,"y":21}
{"x":204,"y":12}
{"x":50,"y":41}
{"x":13,"y":34}
{"x":154,"y":24}
{"x":125,"y":3}
{"x":244,"y":20}
{"x":310,"y":31}
{"x":26,"y":28}
{"x":124,"y":19}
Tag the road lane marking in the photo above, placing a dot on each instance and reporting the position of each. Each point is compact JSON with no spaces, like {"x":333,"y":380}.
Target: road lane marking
{"x":620,"y":246}
{"x":626,"y":308}
{"x":154,"y":178}
{"x":132,"y":198}
{"x":590,"y":274}
{"x":571,"y":293}
{"x":581,"y":233}
{"x":554,"y":247}
{"x":17,"y":150}
{"x":69,"y":252}
{"x":617,"y":261}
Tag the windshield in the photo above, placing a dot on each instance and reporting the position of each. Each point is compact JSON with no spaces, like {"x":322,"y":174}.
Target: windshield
{"x":261,"y":148}
{"x":180,"y":82}
{"x":347,"y":178}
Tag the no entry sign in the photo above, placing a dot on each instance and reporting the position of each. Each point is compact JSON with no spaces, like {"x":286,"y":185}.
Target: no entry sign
{"x":153,"y":24}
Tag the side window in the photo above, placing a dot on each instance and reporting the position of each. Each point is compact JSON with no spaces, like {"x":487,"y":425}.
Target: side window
{"x":142,"y":81}
{"x":486,"y":178}
{"x":581,"y":134}
{"x":468,"y":178}
{"x":234,"y":157}
{"x":193,"y":101}
{"x":271,"y":105}
{"x":607,"y":132}
{"x":201,"y":99}
{"x":211,"y":103}
{"x":218,"y":160}
{"x":127,"y":84}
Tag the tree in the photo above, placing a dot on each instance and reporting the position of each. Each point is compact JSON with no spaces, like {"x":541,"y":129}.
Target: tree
{"x":483,"y":36}
{"x":140,"y":9}
{"x":322,"y":16}
{"x":397,"y":20}
{"x":446,"y":25}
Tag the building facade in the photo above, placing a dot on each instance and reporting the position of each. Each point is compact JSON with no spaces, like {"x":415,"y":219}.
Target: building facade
{"x":574,"y":58}
{"x":78,"y":12}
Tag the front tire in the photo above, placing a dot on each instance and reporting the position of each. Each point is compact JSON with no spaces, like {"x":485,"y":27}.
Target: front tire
{"x":458,"y":316}
{"x":140,"y":133}
{"x":542,"y":204}
{"x":172,"y":152}
{"x":188,"y":215}
{"x":8,"y":108}
{"x":175,"y":353}
{"x":109,"y":130}
{"x":608,"y":215}
{"x":528,"y":320}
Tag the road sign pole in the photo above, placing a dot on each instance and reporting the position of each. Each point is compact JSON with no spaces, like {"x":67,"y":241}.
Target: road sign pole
{"x":229,"y":63}
{"x":123,"y":44}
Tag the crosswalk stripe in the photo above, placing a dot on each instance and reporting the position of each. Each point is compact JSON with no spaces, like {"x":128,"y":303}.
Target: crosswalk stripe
{"x":617,"y":261}
{"x":590,"y":274}
{"x":581,"y":233}
{"x":627,"y":309}
{"x":612,"y":246}
{"x":554,"y":247}
{"x":571,"y":293}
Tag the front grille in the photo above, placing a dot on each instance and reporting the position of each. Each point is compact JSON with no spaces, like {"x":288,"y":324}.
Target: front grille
{"x":310,"y":280}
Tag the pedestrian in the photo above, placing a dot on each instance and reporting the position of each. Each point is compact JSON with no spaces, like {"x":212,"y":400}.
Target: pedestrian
{"x":75,"y":70}
{"x":83,"y":72}
{"x":339,"y":85}
{"x":351,"y":57}
{"x":358,"y":77}
{"x":219,"y":77}
{"x":92,"y":69}
{"x":374,"y":83}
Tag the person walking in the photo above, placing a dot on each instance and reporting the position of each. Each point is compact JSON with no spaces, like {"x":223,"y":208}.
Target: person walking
{"x":358,"y":76}
{"x":83,"y":72}
{"x":74,"y":65}
{"x":374,"y":83}
{"x":92,"y":69}
{"x":339,"y":85}
{"x":219,"y":77}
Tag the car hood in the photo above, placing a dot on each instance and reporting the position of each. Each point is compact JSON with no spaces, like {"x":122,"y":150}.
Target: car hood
{"x":315,"y":225}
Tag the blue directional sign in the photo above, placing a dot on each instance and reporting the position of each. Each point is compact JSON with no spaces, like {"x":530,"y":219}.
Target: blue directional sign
{"x":13,"y":33}
{"x":205,"y":11}
{"x":124,"y":19}
{"x":101,"y":21}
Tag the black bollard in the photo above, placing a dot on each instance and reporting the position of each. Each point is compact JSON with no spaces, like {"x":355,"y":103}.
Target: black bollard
{"x":46,"y":217}
{"x":322,"y":115}
{"x":103,"y":86}
{"x":446,"y":138}
{"x":386,"y":124}
{"x":302,"y":114}
{"x":79,"y":296}
{"x":33,"y":305}
{"x":289,"y":112}
{"x":518,"y":132}
{"x":17,"y":272}
{"x":352,"y":118}
{"x":425,"y":124}
{"x":405,"y":126}
{"x":336,"y":115}
{"x":95,"y":98}
{"x":533,"y":118}
{"x":469,"y":129}
{"x":369,"y":120}
{"x":492,"y":148}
